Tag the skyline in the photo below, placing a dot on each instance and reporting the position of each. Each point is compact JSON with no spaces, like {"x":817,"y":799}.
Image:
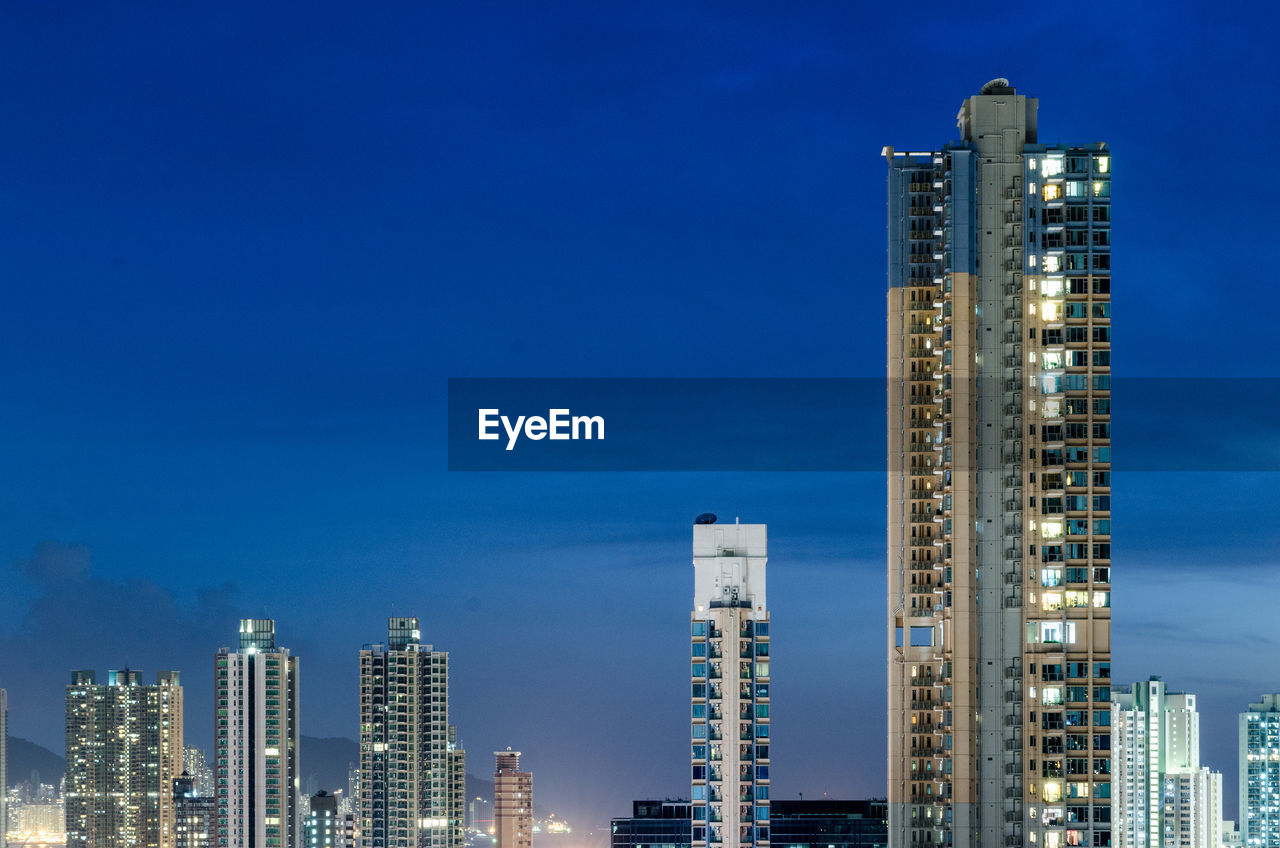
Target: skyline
{"x":237,"y":285}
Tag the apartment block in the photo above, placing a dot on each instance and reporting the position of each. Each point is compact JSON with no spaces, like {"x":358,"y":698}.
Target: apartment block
{"x":256,"y":741}
{"x":729,"y":656}
{"x":124,"y":750}
{"x":999,"y":492}
{"x":409,"y":760}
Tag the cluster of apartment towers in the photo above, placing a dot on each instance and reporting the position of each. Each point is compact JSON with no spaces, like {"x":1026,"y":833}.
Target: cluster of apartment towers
{"x":126,"y":784}
{"x":1003,"y":726}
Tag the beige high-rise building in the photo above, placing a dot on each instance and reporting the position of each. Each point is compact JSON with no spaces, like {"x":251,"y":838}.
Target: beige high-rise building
{"x":124,"y":750}
{"x":999,"y":526}
{"x":512,"y":802}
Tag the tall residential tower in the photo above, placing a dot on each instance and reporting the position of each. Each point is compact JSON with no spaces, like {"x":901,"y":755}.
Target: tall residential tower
{"x":124,"y":749}
{"x":999,"y":528}
{"x":408,"y":756}
{"x":1260,"y":773}
{"x":730,"y":686}
{"x":1162,"y":795}
{"x":256,"y":741}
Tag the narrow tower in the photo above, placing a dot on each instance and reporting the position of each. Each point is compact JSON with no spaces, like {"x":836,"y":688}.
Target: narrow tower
{"x":256,"y":740}
{"x":730,"y":686}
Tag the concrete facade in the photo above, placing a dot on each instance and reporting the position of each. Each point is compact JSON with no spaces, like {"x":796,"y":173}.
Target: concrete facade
{"x":730,"y":686}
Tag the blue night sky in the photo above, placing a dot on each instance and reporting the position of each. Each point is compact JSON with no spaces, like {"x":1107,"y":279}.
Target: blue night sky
{"x":244,"y":245}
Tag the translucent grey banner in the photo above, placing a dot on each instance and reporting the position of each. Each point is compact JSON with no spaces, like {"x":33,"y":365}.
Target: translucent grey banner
{"x":836,"y":424}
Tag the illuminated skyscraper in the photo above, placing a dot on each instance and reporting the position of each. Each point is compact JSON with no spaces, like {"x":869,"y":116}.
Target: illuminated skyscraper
{"x":730,"y":685}
{"x":196,"y":765}
{"x":512,"y":802}
{"x":408,"y":752}
{"x":1162,"y":795}
{"x":124,"y":749}
{"x":999,"y":526}
{"x":1260,"y":774}
{"x":256,"y":741}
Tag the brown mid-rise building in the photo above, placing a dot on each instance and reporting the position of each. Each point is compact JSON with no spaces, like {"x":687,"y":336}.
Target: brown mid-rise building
{"x":512,"y":802}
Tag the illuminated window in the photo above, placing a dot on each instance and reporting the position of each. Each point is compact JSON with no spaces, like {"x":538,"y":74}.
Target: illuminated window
{"x":1057,"y":632}
{"x":1102,"y":164}
{"x":1053,"y":191}
{"x":1049,"y":310}
{"x":1052,"y":166}
{"x":1051,"y":601}
{"x":1075,"y":188}
{"x":1102,"y":188}
{"x":1051,"y":288}
{"x":1052,"y":362}
{"x":1053,"y":264}
{"x":1051,"y":696}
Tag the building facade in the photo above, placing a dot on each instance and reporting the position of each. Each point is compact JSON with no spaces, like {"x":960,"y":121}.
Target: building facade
{"x":730,"y":686}
{"x":827,"y":823}
{"x":653,"y":824}
{"x":195,"y":815}
{"x":4,"y":767}
{"x":830,"y":823}
{"x":999,"y":529}
{"x":1260,"y":773}
{"x":325,"y":826}
{"x":512,"y":802}
{"x":457,"y":789}
{"x":408,"y":751}
{"x":124,"y":749}
{"x":256,"y":741}
{"x":1163,"y":796}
